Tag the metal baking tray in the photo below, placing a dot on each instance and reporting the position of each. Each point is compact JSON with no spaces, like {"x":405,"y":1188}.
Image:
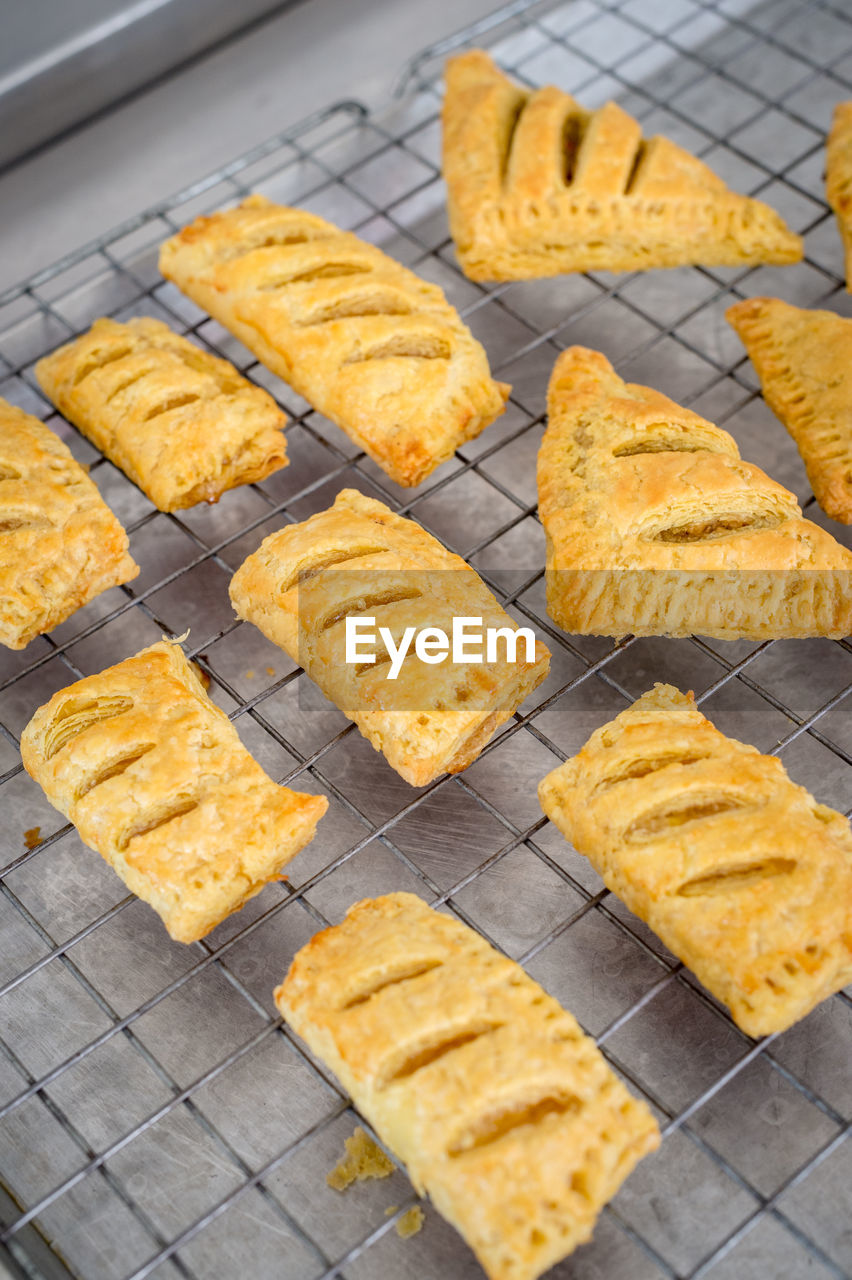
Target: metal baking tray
{"x":156,"y":1119}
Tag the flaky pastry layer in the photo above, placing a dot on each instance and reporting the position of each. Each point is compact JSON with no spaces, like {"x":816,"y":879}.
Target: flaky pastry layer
{"x":499,"y":1106}
{"x":838,"y":177}
{"x":804,"y":362}
{"x":155,"y":779}
{"x":181,"y":423}
{"x":60,"y":545}
{"x":372,"y":346}
{"x":358,"y":558}
{"x":736,"y":868}
{"x":537,"y":185}
{"x":655,"y":525}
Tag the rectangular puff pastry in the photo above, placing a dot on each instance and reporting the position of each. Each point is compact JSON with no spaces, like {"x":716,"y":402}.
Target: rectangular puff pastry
{"x":359,"y":559}
{"x":737,"y":869}
{"x":155,"y":779}
{"x":181,"y":423}
{"x":372,"y":346}
{"x":481,"y":1083}
{"x":60,"y":545}
{"x":537,"y":185}
{"x":655,"y":525}
{"x":804,"y":362}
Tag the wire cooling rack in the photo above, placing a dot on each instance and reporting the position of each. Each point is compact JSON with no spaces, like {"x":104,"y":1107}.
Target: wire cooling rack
{"x":156,"y":1119}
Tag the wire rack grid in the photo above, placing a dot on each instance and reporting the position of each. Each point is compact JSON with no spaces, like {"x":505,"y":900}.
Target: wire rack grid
{"x":156,"y":1118}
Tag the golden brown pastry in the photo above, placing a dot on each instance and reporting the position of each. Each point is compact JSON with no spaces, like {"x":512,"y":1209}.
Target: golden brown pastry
{"x":60,"y":545}
{"x":370,"y":344}
{"x":155,"y":779}
{"x":181,"y":423}
{"x":838,"y":177}
{"x":359,"y":559}
{"x":736,"y":868}
{"x":536,"y":185}
{"x":655,"y":525}
{"x":804,"y":362}
{"x":502,"y":1110}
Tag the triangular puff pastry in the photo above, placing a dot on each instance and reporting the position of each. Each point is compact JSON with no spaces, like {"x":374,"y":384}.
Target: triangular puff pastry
{"x":536,"y":186}
{"x":655,"y":525}
{"x":370,"y":345}
{"x":804,"y":362}
{"x":838,"y":177}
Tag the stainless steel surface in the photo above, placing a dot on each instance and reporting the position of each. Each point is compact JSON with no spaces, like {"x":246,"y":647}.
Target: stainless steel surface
{"x":156,"y":1118}
{"x":189,"y":124}
{"x":60,"y":63}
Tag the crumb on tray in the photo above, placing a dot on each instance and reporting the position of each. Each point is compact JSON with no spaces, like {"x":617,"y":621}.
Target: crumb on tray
{"x":363,"y":1159}
{"x":410,"y":1222}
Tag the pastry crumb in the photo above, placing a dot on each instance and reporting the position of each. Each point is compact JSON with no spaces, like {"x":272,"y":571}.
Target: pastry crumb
{"x":410,"y":1222}
{"x":249,"y":675}
{"x":363,"y":1159}
{"x":32,"y":838}
{"x":270,"y":671}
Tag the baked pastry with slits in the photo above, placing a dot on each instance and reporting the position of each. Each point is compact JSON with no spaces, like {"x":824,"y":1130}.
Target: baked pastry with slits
{"x":488,"y":1091}
{"x":60,"y":545}
{"x":804,"y":362}
{"x":838,"y":177}
{"x":655,"y":525}
{"x":372,"y":346}
{"x":155,"y":779}
{"x":537,"y":185}
{"x":738,"y":870}
{"x":181,"y":423}
{"x":358,"y":559}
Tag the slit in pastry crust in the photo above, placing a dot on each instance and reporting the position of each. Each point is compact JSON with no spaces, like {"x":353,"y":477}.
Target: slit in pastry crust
{"x":11,"y":520}
{"x":431,"y":1049}
{"x":391,"y":976}
{"x":738,"y":875}
{"x":680,"y":811}
{"x":75,"y":715}
{"x":160,"y":815}
{"x":496,"y":1123}
{"x":112,"y":768}
{"x":411,"y":346}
